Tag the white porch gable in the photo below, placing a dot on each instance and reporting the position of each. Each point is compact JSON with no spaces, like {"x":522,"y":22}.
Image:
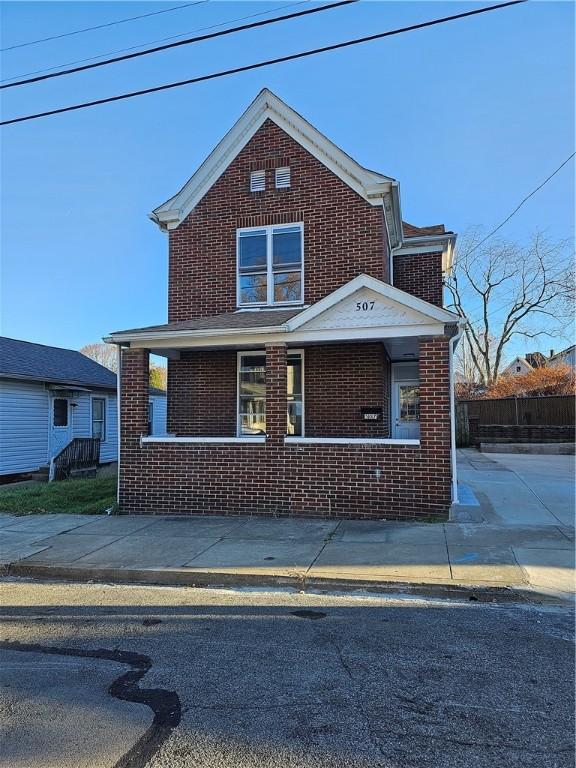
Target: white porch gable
{"x":366,"y":308}
{"x":369,"y":303}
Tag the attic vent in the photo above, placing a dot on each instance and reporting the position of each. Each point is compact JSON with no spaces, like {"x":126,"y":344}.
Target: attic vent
{"x":282,"y":178}
{"x":257,"y":181}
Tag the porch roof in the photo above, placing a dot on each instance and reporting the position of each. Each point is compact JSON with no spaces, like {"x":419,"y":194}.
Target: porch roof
{"x":364,"y":308}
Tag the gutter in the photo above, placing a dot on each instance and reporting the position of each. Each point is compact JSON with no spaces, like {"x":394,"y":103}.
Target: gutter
{"x":453,"y":342}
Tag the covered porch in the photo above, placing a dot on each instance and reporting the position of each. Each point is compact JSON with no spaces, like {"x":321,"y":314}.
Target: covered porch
{"x":342,"y":409}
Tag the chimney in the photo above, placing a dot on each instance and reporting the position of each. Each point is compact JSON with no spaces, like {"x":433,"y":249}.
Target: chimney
{"x":551,"y":353}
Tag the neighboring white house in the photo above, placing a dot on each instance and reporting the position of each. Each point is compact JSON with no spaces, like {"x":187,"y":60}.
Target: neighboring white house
{"x":518,"y":367}
{"x":48,"y":396}
{"x":566,"y":356}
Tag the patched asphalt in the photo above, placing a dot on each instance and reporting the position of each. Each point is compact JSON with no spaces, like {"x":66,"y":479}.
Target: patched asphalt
{"x":282,"y":679}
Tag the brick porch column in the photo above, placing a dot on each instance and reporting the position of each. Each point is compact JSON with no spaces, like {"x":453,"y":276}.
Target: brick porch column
{"x":435,"y":400}
{"x":134,"y":397}
{"x":276,"y":392}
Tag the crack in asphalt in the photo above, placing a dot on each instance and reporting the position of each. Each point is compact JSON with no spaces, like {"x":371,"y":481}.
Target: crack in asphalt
{"x":164,"y":704}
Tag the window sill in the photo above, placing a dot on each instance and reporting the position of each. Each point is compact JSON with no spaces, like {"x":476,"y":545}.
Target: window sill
{"x":202,"y":439}
{"x":349,"y":441}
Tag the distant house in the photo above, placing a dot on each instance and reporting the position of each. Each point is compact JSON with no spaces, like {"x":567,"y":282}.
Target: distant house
{"x":48,"y":396}
{"x":566,"y":356}
{"x":518,"y":367}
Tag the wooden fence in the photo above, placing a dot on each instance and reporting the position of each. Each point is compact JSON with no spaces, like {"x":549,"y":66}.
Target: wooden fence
{"x":476,"y":416}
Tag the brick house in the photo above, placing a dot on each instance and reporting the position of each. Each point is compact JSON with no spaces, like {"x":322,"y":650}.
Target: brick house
{"x":309,"y":355}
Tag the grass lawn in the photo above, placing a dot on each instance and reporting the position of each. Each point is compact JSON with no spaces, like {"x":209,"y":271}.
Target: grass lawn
{"x":81,"y":497}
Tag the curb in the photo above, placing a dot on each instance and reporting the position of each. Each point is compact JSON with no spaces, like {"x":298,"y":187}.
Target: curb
{"x":480,"y":592}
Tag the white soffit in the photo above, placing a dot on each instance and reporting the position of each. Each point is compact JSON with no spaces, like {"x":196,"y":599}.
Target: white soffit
{"x":369,"y":184}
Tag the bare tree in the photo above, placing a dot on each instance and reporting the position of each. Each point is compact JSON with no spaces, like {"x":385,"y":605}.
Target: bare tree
{"x":105,"y":354}
{"x":506,"y":290}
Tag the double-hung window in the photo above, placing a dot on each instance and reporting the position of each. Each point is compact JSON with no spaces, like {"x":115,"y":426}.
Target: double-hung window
{"x":252,"y":394}
{"x":270,"y":265}
{"x":99,"y":418}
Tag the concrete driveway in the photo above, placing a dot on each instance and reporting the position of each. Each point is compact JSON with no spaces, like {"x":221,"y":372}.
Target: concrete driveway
{"x":519,"y":489}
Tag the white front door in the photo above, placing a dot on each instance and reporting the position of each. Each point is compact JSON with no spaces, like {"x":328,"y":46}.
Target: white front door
{"x":60,"y":424}
{"x":406,"y":410}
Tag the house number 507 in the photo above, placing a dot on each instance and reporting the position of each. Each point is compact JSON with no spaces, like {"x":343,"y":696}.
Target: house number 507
{"x":364,"y":306}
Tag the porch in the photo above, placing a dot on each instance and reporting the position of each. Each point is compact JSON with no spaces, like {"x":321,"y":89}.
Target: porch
{"x":326,"y":411}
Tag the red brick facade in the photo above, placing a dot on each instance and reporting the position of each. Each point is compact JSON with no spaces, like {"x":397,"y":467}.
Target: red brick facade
{"x":343,"y":234}
{"x":421,"y":275}
{"x":339,"y":380}
{"x":376,"y":481}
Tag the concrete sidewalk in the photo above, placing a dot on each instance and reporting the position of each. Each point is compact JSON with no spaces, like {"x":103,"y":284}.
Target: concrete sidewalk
{"x":504,"y":536}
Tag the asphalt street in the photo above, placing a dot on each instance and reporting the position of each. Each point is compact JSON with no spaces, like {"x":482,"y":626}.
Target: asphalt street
{"x":127,"y":677}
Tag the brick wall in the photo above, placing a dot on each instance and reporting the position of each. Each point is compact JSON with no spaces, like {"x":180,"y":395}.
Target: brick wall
{"x":339,"y":379}
{"x":343,"y":234}
{"x":202,"y":393}
{"x":297,"y":479}
{"x":421,"y":275}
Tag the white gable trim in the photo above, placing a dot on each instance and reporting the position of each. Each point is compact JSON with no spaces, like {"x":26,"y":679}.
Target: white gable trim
{"x":370,"y":185}
{"x":435,"y":314}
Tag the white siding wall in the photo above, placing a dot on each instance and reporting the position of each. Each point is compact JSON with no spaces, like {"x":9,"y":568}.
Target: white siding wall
{"x":24,"y":409}
{"x":159,"y":405}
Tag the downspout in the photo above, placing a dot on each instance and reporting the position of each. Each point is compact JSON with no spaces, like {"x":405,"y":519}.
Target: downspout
{"x":118,"y":413}
{"x":453,"y":342}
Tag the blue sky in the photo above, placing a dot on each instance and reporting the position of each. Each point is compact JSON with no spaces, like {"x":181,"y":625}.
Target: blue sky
{"x":469,"y":116}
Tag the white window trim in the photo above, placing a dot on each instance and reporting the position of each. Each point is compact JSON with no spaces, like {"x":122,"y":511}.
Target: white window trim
{"x":99,"y":397}
{"x":300,"y":352}
{"x":251,"y":352}
{"x":269,"y":271}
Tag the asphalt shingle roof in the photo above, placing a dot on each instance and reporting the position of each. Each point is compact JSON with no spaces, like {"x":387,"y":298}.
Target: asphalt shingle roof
{"x":23,"y":359}
{"x":229,"y":320}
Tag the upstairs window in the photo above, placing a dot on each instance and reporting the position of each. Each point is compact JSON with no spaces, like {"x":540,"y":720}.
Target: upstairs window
{"x":257,"y":181}
{"x":270,"y":265}
{"x":282,"y":176}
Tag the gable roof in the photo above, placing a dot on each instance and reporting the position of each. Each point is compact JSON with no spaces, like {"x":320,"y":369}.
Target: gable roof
{"x":375,"y":188}
{"x":38,"y":362}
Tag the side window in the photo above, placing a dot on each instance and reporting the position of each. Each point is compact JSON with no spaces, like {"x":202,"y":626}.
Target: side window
{"x":99,"y":418}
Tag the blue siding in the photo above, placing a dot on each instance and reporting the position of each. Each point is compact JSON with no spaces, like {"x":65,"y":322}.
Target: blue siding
{"x":83,"y":424}
{"x":25,"y":424}
{"x":24,"y":409}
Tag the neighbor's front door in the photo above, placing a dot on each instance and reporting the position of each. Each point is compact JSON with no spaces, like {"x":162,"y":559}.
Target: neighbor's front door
{"x":407,"y":410}
{"x":60,"y":424}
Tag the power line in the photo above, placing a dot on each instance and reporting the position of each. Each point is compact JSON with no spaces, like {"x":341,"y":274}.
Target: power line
{"x":101,"y":26}
{"x":258,"y":65}
{"x":152,"y":42}
{"x":515,"y":211}
{"x":188,"y":41}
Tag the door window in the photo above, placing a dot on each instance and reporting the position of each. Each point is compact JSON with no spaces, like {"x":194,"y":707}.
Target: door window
{"x":409,"y":409}
{"x":60,"y":417}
